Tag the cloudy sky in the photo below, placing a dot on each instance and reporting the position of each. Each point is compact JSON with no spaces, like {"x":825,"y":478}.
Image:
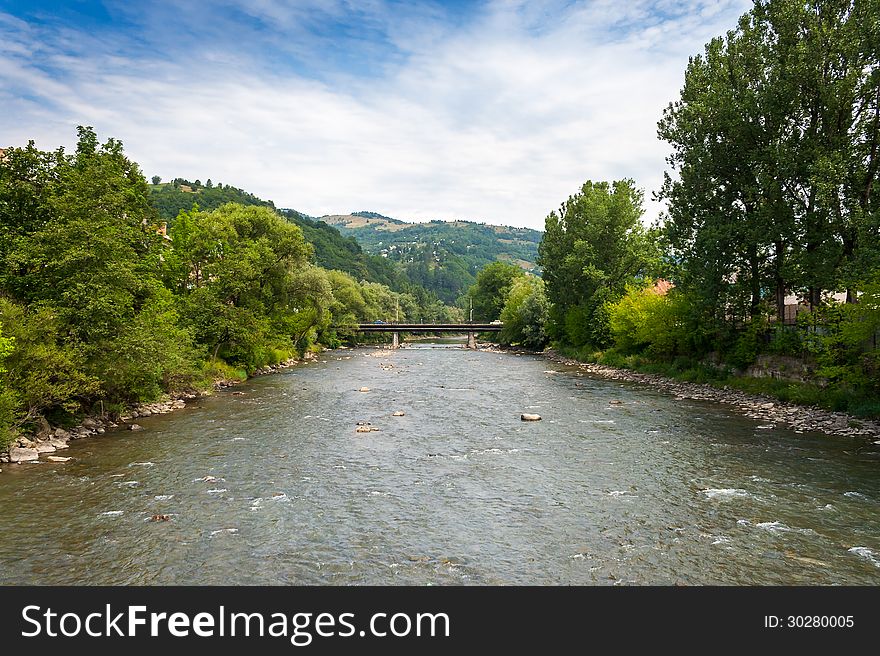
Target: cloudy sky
{"x":488,"y":111}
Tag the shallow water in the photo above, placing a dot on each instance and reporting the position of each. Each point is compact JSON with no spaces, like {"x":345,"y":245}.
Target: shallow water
{"x":276,"y":487}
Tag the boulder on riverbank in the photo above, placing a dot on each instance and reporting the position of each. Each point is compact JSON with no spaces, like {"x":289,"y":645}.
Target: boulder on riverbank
{"x":19,"y":454}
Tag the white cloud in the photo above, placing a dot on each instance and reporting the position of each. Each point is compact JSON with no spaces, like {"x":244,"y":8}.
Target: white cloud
{"x":496,"y":119}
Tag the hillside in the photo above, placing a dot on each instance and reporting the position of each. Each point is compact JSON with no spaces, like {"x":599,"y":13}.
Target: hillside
{"x":477,"y":243}
{"x":442,"y":256}
{"x":171,"y":197}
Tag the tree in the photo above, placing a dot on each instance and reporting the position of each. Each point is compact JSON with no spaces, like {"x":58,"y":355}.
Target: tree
{"x":156,"y":179}
{"x":236,"y":270}
{"x":525,"y":313}
{"x":86,"y":252}
{"x":775,"y":159}
{"x":591,"y":250}
{"x":490,"y":292}
{"x":47,"y":371}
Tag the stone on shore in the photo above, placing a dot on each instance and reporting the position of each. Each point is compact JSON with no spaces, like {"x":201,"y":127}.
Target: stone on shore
{"x":44,"y":430}
{"x":44,"y":447}
{"x":18,"y":454}
{"x":529,"y":417}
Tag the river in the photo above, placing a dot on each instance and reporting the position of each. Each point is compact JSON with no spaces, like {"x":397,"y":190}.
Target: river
{"x":274,"y":486}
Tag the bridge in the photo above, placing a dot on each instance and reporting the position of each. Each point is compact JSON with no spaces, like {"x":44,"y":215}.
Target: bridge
{"x":396,"y":328}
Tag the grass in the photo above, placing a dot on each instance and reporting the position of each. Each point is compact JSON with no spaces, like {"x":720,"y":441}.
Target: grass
{"x":860,"y":403}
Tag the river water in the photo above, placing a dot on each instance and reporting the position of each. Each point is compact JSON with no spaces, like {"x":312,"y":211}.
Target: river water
{"x":274,"y":486}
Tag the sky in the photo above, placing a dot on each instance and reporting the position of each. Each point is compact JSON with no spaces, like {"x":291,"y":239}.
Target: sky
{"x":484,"y":111}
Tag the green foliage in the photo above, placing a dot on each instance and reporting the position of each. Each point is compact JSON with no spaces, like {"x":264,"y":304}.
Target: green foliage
{"x":747,"y":345}
{"x":775,"y":160}
{"x":785,"y":340}
{"x":236,"y":271}
{"x":525,"y":313}
{"x":488,"y":296}
{"x":659,"y":325}
{"x":47,"y":372}
{"x":333,"y":251}
{"x":151,"y":355}
{"x":180,"y":195}
{"x":7,"y":398}
{"x":843,"y":338}
{"x":592,"y":249}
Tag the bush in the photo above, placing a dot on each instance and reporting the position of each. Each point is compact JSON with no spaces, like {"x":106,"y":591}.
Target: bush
{"x":45,"y":372}
{"x":525,"y":314}
{"x":785,"y":340}
{"x":747,"y":346}
{"x":646,"y":321}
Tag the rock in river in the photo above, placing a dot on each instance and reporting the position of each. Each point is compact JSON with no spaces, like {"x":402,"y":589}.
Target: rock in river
{"x":529,"y":417}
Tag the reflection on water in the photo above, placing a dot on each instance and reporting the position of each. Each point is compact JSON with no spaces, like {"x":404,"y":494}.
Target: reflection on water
{"x":276,"y":487}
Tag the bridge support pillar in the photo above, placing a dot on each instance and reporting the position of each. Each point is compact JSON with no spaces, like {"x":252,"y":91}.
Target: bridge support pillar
{"x":472,"y":340}
{"x":395,"y":340}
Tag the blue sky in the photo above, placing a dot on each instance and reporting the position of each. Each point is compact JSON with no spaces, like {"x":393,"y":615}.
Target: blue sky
{"x":488,"y":111}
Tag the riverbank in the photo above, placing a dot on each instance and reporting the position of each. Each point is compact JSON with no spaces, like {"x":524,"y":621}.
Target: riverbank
{"x":48,"y":439}
{"x":762,"y":407}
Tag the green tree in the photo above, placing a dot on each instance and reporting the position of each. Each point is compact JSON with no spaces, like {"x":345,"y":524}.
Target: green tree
{"x":489,"y":293}
{"x":156,"y":179}
{"x":525,"y":313}
{"x":775,"y":159}
{"x":47,"y":371}
{"x":237,"y":273}
{"x":591,"y":250}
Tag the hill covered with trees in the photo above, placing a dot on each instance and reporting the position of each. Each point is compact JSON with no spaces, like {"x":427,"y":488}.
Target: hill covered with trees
{"x":443,"y":256}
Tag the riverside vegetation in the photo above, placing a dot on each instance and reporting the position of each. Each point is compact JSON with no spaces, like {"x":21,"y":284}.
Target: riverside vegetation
{"x":100,"y":311}
{"x":772,"y":194}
